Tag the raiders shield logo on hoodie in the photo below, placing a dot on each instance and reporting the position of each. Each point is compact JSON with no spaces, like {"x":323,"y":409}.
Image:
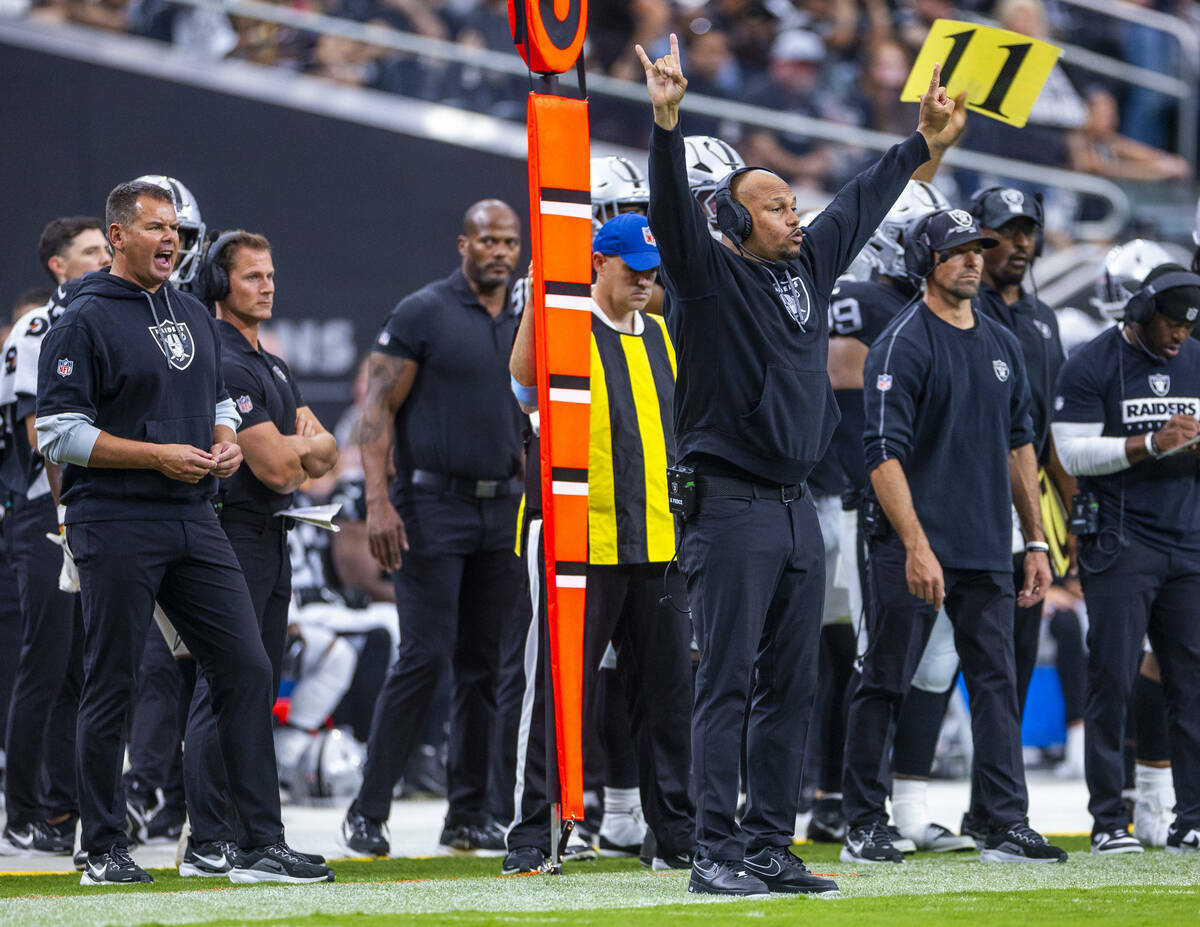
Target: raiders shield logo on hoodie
{"x":175,"y":341}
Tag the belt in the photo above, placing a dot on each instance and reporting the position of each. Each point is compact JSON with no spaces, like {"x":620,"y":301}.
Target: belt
{"x":260,"y":520}
{"x":729,"y":486}
{"x":474,"y":489}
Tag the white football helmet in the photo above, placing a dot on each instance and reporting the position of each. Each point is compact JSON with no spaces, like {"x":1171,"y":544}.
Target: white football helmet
{"x":191,"y":226}
{"x":1196,"y":226}
{"x":1122,"y":272}
{"x":708,"y":161}
{"x":884,"y":250}
{"x":617,"y":186}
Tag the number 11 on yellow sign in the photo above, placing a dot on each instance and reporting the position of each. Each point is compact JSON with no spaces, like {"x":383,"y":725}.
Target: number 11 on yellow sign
{"x":1002,"y":72}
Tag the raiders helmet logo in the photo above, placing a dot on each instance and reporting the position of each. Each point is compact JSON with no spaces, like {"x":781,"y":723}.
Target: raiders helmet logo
{"x":1192,"y":312}
{"x":1160,"y":383}
{"x":961,"y":218}
{"x":175,"y":341}
{"x":1014,"y":199}
{"x":1001,"y":370}
{"x":791,"y":295}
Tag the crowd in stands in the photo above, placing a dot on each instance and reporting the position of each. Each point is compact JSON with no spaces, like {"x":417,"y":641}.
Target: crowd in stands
{"x":841,"y":60}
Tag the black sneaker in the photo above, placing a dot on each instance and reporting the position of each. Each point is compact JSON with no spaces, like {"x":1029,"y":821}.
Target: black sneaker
{"x":784,"y":872}
{"x":80,"y":860}
{"x":899,"y":841}
{"x":365,"y":836}
{"x":1116,"y":841}
{"x":1183,"y":840}
{"x":165,"y":824}
{"x":42,"y":838}
{"x":523,"y":861}
{"x":725,"y":877}
{"x":827,"y":824}
{"x":207,"y":860}
{"x":277,"y":863}
{"x":870,"y":843}
{"x":975,"y":828}
{"x":116,"y":867}
{"x":1019,"y":843}
{"x":473,"y":840}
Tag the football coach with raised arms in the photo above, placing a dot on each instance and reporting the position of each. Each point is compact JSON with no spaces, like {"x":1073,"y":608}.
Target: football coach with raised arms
{"x":131,"y":400}
{"x":754,"y":412}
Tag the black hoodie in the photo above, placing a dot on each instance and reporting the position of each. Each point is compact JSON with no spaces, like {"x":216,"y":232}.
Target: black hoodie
{"x":753,"y":339}
{"x":141,"y":366}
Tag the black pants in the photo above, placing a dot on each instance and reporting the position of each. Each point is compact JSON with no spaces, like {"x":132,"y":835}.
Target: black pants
{"x":262,"y":553}
{"x":454,"y":593}
{"x":980,"y":606}
{"x":159,"y":719}
{"x":1027,"y":627}
{"x":1146,"y":592}
{"x":190,"y":569}
{"x":755,"y":570}
{"x":45,"y":697}
{"x":10,"y":622}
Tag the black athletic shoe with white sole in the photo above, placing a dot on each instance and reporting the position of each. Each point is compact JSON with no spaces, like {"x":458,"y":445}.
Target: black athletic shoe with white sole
{"x":1020,"y":843}
{"x":974,"y":828}
{"x":41,"y":838}
{"x":116,"y":867}
{"x":785,"y":873}
{"x":277,"y":863}
{"x":870,"y":843}
{"x":1114,"y":842}
{"x":827,"y":824}
{"x":207,"y":860}
{"x":364,"y":835}
{"x":1183,"y":840}
{"x":473,"y":839}
{"x":523,"y":861}
{"x":725,"y":877}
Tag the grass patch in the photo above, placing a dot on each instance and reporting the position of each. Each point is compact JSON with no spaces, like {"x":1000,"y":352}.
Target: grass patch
{"x":1153,"y":888}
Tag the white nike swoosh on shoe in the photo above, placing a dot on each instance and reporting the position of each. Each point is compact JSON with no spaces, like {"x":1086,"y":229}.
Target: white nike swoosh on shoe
{"x":96,"y":874}
{"x":710,"y":872}
{"x":19,"y":842}
{"x":218,"y":863}
{"x":773,"y":870}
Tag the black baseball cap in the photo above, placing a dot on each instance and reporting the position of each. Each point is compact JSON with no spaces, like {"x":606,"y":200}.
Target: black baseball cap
{"x":1176,"y":292}
{"x":953,"y":227}
{"x":997,"y":205}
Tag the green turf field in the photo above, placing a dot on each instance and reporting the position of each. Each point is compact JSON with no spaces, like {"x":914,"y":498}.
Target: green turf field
{"x":1152,"y":889}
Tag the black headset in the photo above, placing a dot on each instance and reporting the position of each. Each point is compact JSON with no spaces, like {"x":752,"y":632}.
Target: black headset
{"x":919,"y":259}
{"x":993,"y":217}
{"x":734,"y":219}
{"x":212,"y":280}
{"x":1141,"y":305}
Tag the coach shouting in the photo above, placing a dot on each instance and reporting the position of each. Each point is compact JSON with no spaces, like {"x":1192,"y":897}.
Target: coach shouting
{"x":754,"y":412}
{"x":131,"y":400}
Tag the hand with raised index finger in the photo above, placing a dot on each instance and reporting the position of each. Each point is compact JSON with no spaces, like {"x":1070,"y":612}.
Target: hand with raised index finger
{"x":936,"y":108}
{"x":665,"y":83}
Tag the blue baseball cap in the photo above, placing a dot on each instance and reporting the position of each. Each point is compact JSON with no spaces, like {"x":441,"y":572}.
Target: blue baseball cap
{"x":628,"y":236}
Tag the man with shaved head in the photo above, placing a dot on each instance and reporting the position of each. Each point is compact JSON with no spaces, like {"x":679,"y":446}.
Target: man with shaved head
{"x":438,"y":403}
{"x":754,"y":412}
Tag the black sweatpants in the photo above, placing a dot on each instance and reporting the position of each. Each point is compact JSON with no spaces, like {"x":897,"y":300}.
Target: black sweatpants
{"x":45,"y":696}
{"x":755,"y":569}
{"x":10,"y":623}
{"x":454,"y":592}
{"x":262,"y":553}
{"x":1027,"y":629}
{"x":980,"y":606}
{"x":189,"y":567}
{"x":1147,"y":591}
{"x":159,"y":719}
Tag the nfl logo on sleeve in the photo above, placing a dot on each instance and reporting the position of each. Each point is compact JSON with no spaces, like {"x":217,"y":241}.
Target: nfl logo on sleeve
{"x":245,"y":406}
{"x":66,"y":366}
{"x":883,"y":382}
{"x":384,"y":338}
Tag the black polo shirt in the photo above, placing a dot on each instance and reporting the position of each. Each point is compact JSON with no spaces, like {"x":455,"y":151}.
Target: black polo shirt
{"x":263,"y":390}
{"x":460,"y":418}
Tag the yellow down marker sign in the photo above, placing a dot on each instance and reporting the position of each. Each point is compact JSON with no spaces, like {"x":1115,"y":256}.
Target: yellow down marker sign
{"x":1002,"y":72}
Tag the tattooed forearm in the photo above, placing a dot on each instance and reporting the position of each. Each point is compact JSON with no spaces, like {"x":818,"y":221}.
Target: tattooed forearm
{"x":389,"y":380}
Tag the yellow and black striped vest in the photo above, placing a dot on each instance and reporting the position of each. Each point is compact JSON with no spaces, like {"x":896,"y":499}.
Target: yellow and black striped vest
{"x":632,"y":441}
